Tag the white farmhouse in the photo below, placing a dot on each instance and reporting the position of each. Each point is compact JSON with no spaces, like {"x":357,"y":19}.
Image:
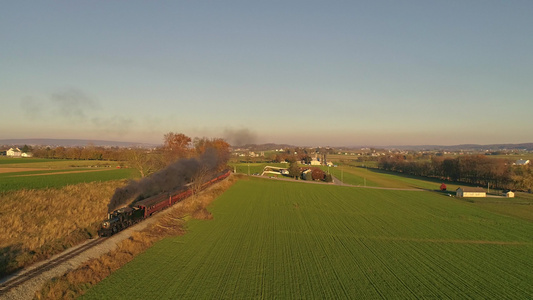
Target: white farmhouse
{"x":14,"y":152}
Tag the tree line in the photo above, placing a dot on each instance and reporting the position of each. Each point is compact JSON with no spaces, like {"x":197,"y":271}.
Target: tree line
{"x":472,"y":169}
{"x":80,"y":153}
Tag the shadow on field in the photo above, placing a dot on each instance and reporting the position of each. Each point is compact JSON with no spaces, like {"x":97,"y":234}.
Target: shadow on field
{"x":8,"y":259}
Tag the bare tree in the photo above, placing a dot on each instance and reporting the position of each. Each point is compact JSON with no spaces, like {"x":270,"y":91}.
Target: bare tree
{"x":142,"y":161}
{"x":199,"y":178}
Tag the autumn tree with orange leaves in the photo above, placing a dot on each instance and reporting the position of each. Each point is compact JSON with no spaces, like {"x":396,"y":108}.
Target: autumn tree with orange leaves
{"x":176,"y":146}
{"x":221,"y":147}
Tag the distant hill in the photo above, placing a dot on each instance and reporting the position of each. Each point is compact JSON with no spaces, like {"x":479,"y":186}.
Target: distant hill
{"x":468,"y":147}
{"x":264,"y":147}
{"x":463,"y":147}
{"x":71,"y":143}
{"x":256,"y":147}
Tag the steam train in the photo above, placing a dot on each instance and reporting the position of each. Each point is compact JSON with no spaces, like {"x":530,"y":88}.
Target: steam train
{"x":138,"y":211}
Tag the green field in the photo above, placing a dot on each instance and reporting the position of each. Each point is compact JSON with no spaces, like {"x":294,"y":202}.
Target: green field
{"x":14,"y":181}
{"x":19,"y":161}
{"x":379,"y":178}
{"x":41,"y":163}
{"x":35,"y":173}
{"x":278,"y":240}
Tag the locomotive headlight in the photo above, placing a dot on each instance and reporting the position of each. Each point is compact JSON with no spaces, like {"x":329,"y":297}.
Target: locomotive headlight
{"x":105,"y":224}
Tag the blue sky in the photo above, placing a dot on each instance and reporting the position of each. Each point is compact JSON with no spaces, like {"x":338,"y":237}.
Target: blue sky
{"x":300,"y":72}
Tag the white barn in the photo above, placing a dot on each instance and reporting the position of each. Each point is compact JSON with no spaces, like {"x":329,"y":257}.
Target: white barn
{"x":470,"y":192}
{"x":509,"y":194}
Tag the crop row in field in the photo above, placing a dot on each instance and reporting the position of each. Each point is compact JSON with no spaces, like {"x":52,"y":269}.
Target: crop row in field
{"x":273,"y":239}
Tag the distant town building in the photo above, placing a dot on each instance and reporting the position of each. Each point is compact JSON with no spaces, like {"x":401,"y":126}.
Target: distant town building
{"x":315,"y":161}
{"x":470,"y":192}
{"x":509,"y":194}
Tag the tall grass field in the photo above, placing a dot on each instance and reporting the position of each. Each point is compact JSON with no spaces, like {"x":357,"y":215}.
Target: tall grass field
{"x":49,"y":205}
{"x":285,"y":240}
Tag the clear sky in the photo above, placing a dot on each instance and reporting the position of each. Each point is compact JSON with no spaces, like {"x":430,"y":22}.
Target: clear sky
{"x":354,"y":73}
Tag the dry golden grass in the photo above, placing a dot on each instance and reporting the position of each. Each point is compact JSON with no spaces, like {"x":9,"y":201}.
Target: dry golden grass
{"x":74,"y":283}
{"x":202,"y":214}
{"x":39,"y":223}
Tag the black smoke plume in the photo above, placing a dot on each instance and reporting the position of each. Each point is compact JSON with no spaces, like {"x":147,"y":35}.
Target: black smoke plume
{"x":170,"y":178}
{"x":240,"y":137}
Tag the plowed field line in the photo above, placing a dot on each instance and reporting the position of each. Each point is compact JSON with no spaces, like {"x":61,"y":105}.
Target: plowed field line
{"x":405,"y":239}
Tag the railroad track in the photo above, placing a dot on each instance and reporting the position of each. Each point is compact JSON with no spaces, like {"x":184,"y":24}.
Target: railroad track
{"x":22,"y":278}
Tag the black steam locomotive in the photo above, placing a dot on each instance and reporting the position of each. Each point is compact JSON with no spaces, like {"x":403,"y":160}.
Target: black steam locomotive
{"x":127,"y":216}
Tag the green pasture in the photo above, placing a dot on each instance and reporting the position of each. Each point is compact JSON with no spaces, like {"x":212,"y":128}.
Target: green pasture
{"x":378,"y":178}
{"x":33,"y":180}
{"x":356,"y":174}
{"x":41,"y":163}
{"x":287,"y":240}
{"x":55,"y":173}
{"x":24,"y":160}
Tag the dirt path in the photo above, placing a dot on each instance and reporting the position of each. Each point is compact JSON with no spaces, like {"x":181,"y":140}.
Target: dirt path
{"x":27,"y":289}
{"x":55,"y":173}
{"x":13,"y":170}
